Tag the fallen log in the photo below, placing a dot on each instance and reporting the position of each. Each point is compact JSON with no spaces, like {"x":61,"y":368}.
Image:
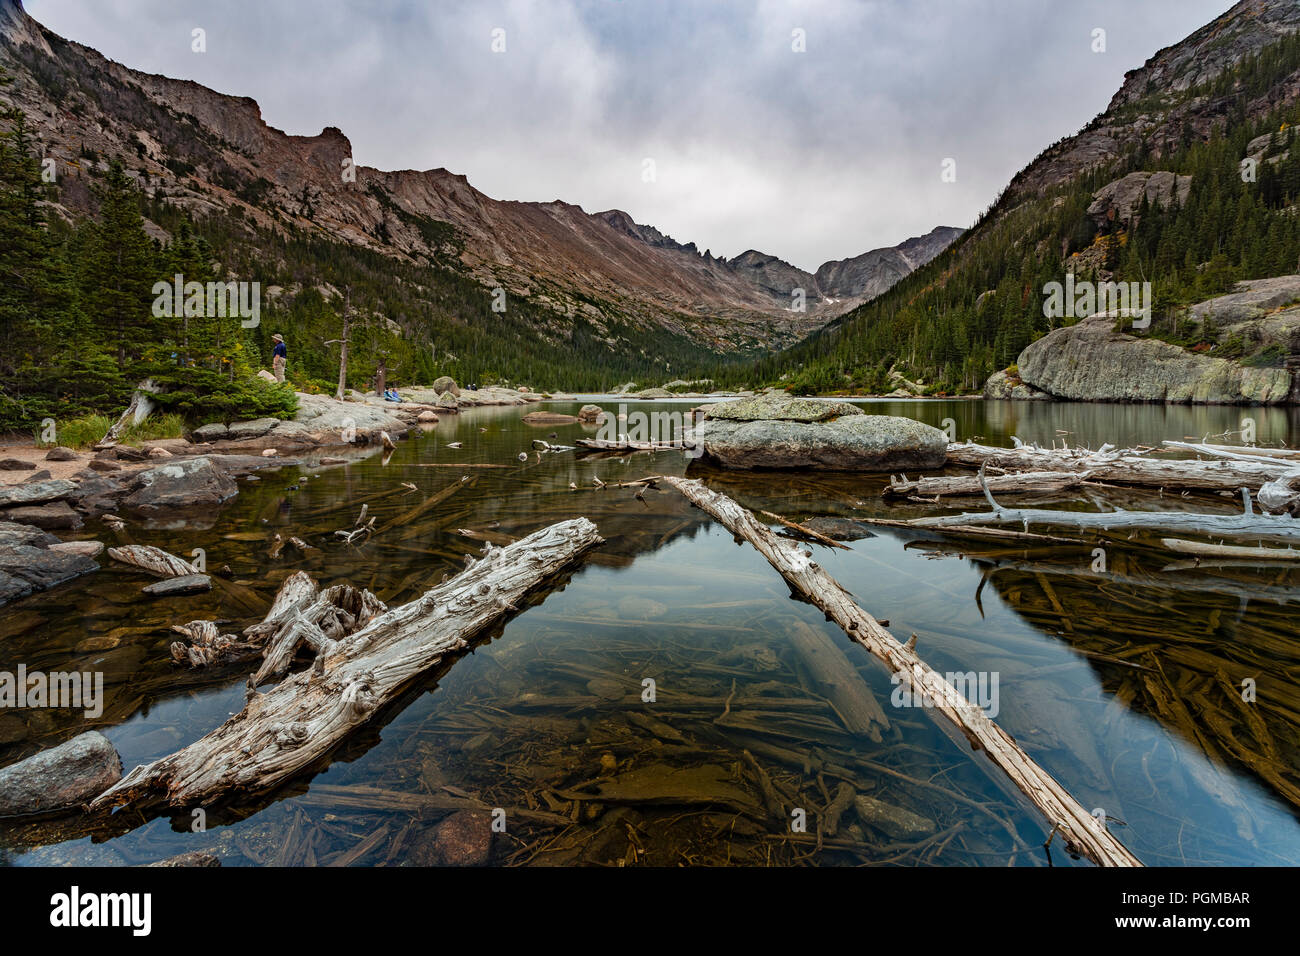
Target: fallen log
{"x":1247,"y":524}
{"x":1124,"y":467}
{"x":1081,"y":831}
{"x":301,"y":719}
{"x":1237,"y":452}
{"x":1203,"y":549}
{"x":966,"y":485}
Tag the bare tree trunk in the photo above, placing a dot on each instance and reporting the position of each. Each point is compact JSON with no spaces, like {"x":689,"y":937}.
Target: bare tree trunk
{"x":1080,"y":830}
{"x":305,"y":716}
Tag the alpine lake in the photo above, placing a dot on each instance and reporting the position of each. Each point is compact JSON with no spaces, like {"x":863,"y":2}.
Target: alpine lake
{"x":628,"y":713}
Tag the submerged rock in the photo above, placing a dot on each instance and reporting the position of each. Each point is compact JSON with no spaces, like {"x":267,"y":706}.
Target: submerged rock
{"x":838,"y":529}
{"x":26,"y":568}
{"x":462,"y":839}
{"x":891,"y":820}
{"x":61,"y":778}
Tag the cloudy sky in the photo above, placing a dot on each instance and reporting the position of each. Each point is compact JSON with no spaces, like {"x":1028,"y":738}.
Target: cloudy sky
{"x":810,"y":156}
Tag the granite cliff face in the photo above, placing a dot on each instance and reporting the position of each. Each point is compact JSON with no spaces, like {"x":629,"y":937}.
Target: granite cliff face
{"x":1092,"y":362}
{"x":1255,"y":327}
{"x":214,"y":154}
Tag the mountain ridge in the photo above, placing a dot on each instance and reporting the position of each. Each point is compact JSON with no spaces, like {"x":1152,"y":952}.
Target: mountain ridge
{"x":211,"y":152}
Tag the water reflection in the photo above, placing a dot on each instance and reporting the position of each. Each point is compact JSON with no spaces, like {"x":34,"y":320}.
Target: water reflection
{"x":1125,"y":684}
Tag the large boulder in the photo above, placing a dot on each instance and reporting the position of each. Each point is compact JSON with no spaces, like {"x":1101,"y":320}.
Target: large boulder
{"x":447,"y":402}
{"x":1090,"y":361}
{"x":446,"y":383}
{"x":784,"y":408}
{"x":192,"y":482}
{"x":61,"y":778}
{"x":846,"y":443}
{"x":1003,"y":385}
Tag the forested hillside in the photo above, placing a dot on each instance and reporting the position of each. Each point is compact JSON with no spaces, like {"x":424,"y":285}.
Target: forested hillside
{"x":973,"y":309}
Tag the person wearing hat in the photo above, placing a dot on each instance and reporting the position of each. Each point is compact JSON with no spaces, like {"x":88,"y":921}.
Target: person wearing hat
{"x":279,"y":355}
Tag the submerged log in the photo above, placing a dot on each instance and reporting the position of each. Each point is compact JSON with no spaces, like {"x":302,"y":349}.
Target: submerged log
{"x":301,"y":719}
{"x":1081,"y":831}
{"x":848,"y":692}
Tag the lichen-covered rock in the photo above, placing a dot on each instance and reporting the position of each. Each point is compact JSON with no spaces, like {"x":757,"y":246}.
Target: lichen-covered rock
{"x":1090,"y":361}
{"x":848,"y":443}
{"x":185,"y":483}
{"x":446,"y":383}
{"x":779,"y":407}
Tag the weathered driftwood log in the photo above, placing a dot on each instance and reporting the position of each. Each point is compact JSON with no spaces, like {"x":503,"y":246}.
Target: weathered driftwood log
{"x":1204,"y":549}
{"x":830,"y":670}
{"x":337,"y":612}
{"x":302,"y":718}
{"x":1238,"y":452}
{"x":138,"y":409}
{"x":967,"y":485}
{"x":1082,"y":832}
{"x":1124,"y":467}
{"x":154,"y":560}
{"x":1244,"y":525}
{"x":1281,"y":495}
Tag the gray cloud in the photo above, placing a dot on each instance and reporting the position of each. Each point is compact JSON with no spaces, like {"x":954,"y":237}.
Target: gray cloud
{"x":808,"y":156}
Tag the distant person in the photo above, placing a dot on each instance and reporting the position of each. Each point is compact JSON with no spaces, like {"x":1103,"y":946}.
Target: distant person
{"x":279,"y":356}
